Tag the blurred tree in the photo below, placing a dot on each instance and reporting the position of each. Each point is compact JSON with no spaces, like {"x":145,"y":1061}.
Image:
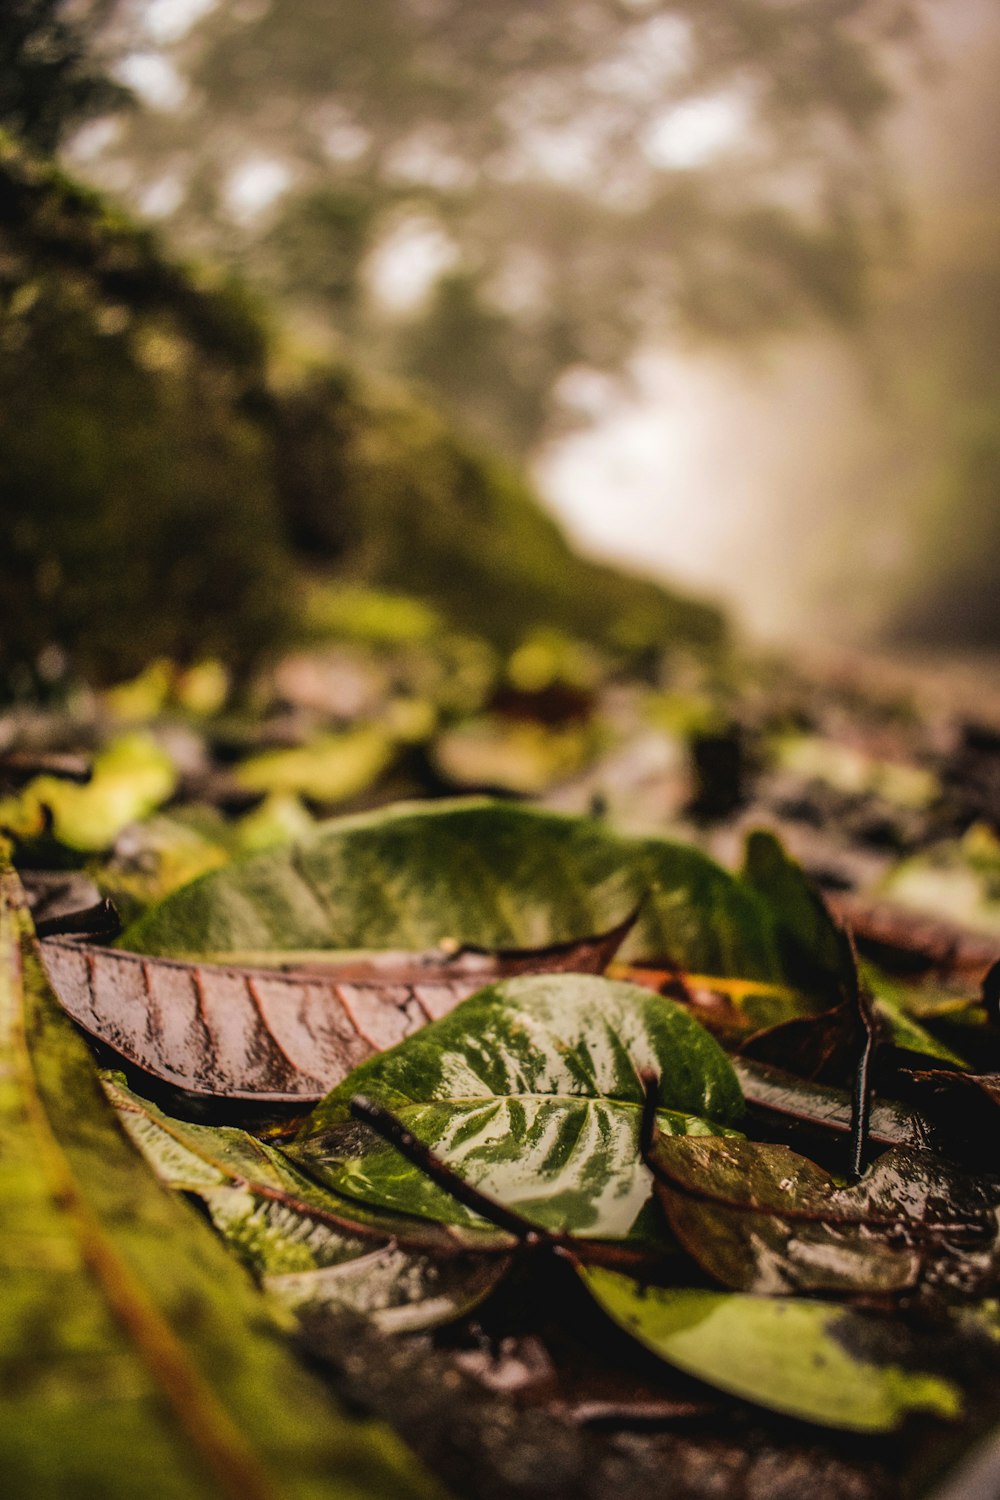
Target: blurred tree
{"x":52,"y":79}
{"x":158,"y":478}
{"x":490,"y":196}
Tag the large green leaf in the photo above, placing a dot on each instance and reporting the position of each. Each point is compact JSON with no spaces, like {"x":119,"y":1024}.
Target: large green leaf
{"x":532,"y":1091}
{"x":135,"y":1356}
{"x":491,"y":874}
{"x":792,"y":1355}
{"x":311,"y":1249}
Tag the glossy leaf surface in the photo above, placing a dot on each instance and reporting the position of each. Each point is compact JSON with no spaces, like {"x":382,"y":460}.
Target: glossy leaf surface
{"x":247,"y":1033}
{"x":765,"y":1219}
{"x":530,"y":1090}
{"x":311,"y":1249}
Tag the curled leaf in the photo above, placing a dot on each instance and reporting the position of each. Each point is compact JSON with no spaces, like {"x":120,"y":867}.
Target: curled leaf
{"x":312,"y":1250}
{"x":247,"y":1033}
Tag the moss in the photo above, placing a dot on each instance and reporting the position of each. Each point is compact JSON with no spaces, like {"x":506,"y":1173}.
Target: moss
{"x":161,"y":493}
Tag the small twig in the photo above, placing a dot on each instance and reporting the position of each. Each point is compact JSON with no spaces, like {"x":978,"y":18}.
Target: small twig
{"x":385,"y":1124}
{"x":98,"y":921}
{"x":650,"y":1081}
{"x":861,"y":1087}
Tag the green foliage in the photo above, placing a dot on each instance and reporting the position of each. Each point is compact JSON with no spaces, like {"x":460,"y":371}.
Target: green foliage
{"x":541,"y":155}
{"x":138,"y":511}
{"x":804,"y":1358}
{"x":155,"y":484}
{"x":492,"y":874}
{"x":380,"y":485}
{"x":310,"y":1248}
{"x":135,"y":1354}
{"x":531,"y":1091}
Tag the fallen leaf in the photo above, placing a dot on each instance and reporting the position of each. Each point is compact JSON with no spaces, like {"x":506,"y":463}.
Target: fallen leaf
{"x":310,"y":1248}
{"x":792,"y":1355}
{"x":763,"y":1218}
{"x":785,"y":1097}
{"x":531,"y":1091}
{"x":259,"y":1034}
{"x":130,"y":778}
{"x":471,"y":872}
{"x":330,"y":768}
{"x":136,"y":1356}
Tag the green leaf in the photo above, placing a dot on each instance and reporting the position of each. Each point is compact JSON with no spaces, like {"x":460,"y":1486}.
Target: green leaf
{"x":511,"y":755}
{"x":499,"y":876}
{"x":816,"y":949}
{"x":135,"y":1355}
{"x":904,"y":1030}
{"x":530,"y":1090}
{"x":397,"y":1291}
{"x":791,"y":1355}
{"x":311,"y":1249}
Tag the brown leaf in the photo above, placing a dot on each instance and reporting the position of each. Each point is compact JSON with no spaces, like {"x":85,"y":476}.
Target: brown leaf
{"x":913,"y":937}
{"x":276,"y":1036}
{"x":762,"y":1218}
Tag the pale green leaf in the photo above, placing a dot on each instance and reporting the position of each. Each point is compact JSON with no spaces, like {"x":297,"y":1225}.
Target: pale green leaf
{"x":791,"y":1355}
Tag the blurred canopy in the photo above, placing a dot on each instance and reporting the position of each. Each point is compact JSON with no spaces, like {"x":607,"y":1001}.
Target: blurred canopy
{"x":52,"y":77}
{"x":573,"y":177}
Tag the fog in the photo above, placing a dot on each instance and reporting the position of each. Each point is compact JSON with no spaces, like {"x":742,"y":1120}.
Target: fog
{"x":798,"y":483}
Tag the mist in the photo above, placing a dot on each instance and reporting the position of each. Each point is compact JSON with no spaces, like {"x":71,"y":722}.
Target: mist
{"x":807,"y":483}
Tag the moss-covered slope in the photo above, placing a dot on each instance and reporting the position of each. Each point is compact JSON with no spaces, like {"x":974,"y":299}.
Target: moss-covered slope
{"x":160,"y":490}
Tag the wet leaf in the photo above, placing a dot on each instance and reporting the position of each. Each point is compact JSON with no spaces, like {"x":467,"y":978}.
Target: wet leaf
{"x":309,"y":1247}
{"x":804,"y":1358}
{"x":530,"y":1090}
{"x":762,"y":1218}
{"x":135,"y":1354}
{"x":471,"y":872}
{"x":396,"y":1290}
{"x":799,"y":1102}
{"x":250,"y":1033}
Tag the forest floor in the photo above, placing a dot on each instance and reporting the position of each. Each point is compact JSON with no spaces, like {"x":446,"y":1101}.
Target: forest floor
{"x":881,"y":777}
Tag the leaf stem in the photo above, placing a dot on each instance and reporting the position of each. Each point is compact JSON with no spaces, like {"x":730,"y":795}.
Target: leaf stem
{"x":391,"y":1129}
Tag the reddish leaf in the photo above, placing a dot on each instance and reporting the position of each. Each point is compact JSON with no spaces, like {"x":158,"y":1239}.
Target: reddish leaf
{"x":273,"y":1036}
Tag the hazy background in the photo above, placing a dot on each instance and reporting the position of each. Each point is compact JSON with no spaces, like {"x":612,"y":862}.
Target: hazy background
{"x":809,"y":481}
{"x":721,"y":276}
{"x":808,"y":476}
